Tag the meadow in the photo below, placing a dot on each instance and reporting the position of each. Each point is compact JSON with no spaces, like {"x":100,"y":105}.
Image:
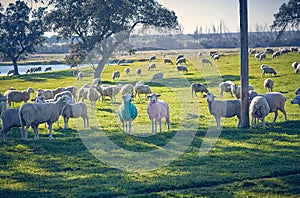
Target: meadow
{"x":194,"y":159}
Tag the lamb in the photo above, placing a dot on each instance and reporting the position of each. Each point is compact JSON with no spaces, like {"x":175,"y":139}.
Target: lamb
{"x":115,"y":75}
{"x":79,"y":76}
{"x":181,"y":61}
{"x":182,"y":68}
{"x":73,"y":90}
{"x":10,"y":119}
{"x":158,"y":76}
{"x":152,"y":67}
{"x":47,"y":93}
{"x":127,"y":71}
{"x":296,"y":100}
{"x":276,"y":102}
{"x":18,"y":96}
{"x":92,"y":96}
{"x":297,"y":92}
{"x":269,"y":83}
{"x":167,"y":60}
{"x":295,"y":65}
{"x":138,"y":71}
{"x":236,"y":90}
{"x":268,"y":70}
{"x":127,"y":113}
{"x":75,"y":110}
{"x":206,"y":61}
{"x":152,"y":58}
{"x":197,"y":87}
{"x":127,"y":88}
{"x":225,"y":87}
{"x":156,"y":110}
{"x":142,"y":89}
{"x":227,"y":108}
{"x":258,"y":109}
{"x":32,"y":114}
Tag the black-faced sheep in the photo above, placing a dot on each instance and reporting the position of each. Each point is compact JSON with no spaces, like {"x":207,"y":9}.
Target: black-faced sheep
{"x":258,"y":109}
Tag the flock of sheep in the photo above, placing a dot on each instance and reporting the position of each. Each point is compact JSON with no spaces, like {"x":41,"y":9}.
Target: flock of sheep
{"x":49,"y":104}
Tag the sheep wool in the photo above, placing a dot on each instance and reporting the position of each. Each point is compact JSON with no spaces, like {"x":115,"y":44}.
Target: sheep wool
{"x":259,"y":108}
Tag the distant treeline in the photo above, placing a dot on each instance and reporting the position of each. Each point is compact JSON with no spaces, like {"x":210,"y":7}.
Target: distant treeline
{"x":187,"y":41}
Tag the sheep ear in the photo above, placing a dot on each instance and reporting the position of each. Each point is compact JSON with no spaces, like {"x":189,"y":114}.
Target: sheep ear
{"x":204,"y":96}
{"x":33,"y":99}
{"x":158,"y":95}
{"x":148,"y":96}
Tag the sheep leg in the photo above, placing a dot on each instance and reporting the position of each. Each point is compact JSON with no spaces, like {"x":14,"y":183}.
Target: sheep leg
{"x":123,"y":127}
{"x":263,"y":122}
{"x":26,"y":133}
{"x":50,"y":131}
{"x":168,"y":124}
{"x":275,"y":117}
{"x":153,"y":125}
{"x":159,"y":121}
{"x":66,"y":120}
{"x":130,"y":127}
{"x":36,"y":132}
{"x":217,"y":121}
{"x":284,"y":113}
{"x":87,"y":121}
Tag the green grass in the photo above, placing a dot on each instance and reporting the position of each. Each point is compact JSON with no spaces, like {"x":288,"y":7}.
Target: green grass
{"x":242,"y":162}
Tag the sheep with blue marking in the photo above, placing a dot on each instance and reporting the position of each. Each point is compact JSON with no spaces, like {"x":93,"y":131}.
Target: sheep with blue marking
{"x":127,"y":113}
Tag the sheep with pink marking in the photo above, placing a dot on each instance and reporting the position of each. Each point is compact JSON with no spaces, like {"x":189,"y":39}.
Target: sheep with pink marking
{"x":156,"y":110}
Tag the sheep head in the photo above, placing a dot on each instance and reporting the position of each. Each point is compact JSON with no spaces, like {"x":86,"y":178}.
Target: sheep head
{"x":210,"y":97}
{"x":127,"y":97}
{"x":153,"y":97}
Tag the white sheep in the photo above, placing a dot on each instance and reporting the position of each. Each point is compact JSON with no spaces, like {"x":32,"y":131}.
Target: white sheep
{"x":262,"y":56}
{"x":127,"y":88}
{"x":268,"y":70}
{"x":236,"y":90}
{"x":225,"y":87}
{"x":206,"y":61}
{"x":158,"y":76}
{"x":92,"y":96}
{"x":167,"y":60}
{"x":197,"y":87}
{"x":138,"y":71}
{"x":227,"y":108}
{"x":127,"y":71}
{"x":10,"y":119}
{"x":276,"y":54}
{"x":156,"y":110}
{"x":152,"y":67}
{"x":216,"y":56}
{"x":297,"y":91}
{"x":296,"y":100}
{"x":57,"y":90}
{"x":82,"y":93}
{"x":257,"y":55}
{"x":127,"y":113}
{"x":179,"y":56}
{"x":275,"y":100}
{"x":33,"y":114}
{"x":258,"y":109}
{"x":295,"y":65}
{"x":18,"y":96}
{"x":115,"y":75}
{"x":181,"y":61}
{"x":142,"y":89}
{"x":79,"y":76}
{"x":76,"y":110}
{"x":67,"y":93}
{"x":105,"y":90}
{"x":47,"y":93}
{"x":182,"y":68}
{"x":269,"y":83}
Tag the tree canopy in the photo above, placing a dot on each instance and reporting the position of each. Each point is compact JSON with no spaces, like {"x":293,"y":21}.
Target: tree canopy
{"x":21,"y":30}
{"x":92,"y":23}
{"x":289,"y":14}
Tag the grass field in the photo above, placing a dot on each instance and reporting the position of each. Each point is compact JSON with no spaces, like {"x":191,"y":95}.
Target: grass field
{"x":194,"y":159}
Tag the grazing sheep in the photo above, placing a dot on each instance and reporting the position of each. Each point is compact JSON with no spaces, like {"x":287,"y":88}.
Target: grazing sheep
{"x":167,"y":60}
{"x":258,"y":109}
{"x":115,"y":75}
{"x":158,"y":76}
{"x":64,"y":93}
{"x":212,"y":53}
{"x":127,"y":71}
{"x":216,"y":56}
{"x":141,"y":89}
{"x":79,"y":76}
{"x":152,"y":58}
{"x":74,"y":72}
{"x":206,"y":61}
{"x":236,"y":90}
{"x":297,"y":92}
{"x":127,"y":88}
{"x":32,"y":114}
{"x":296,"y":100}
{"x":75,"y":110}
{"x":295,"y":65}
{"x":48,"y":69}
{"x":37,"y":69}
{"x":284,"y":51}
{"x":269,"y":83}
{"x":156,"y":110}
{"x":57,"y":90}
{"x":276,"y":102}
{"x":92,"y":96}
{"x":152,"y":67}
{"x":294,"y":49}
{"x":73,"y":90}
{"x":116,"y":90}
{"x":197,"y":87}
{"x":47,"y":93}
{"x":264,"y":66}
{"x":257,"y":55}
{"x":199,"y":54}
{"x":10,"y":72}
{"x":225,"y":87}
{"x":181,"y":61}
{"x":276,"y":54}
{"x":18,"y":96}
{"x":10,"y":119}
{"x":227,"y":108}
{"x":121,"y":61}
{"x":179,"y":56}
{"x":127,"y":113}
{"x":269,"y":50}
{"x":268,"y":70}
{"x":262,"y":56}
{"x":251,"y":51}
{"x":297,"y":70}
{"x":138,"y":71}
{"x":182,"y":68}
{"x":106,"y":91}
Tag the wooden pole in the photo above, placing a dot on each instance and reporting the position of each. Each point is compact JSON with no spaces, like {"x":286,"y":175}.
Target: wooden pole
{"x":244,"y":63}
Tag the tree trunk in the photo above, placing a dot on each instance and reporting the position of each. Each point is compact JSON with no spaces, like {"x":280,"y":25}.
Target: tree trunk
{"x":100,"y":66}
{"x":244,"y":64}
{"x":16,"y":70}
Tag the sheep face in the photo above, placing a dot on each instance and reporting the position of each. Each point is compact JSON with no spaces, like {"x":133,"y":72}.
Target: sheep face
{"x":67,"y":99}
{"x":153,"y":97}
{"x":209,"y":97}
{"x":127,"y":97}
{"x":296,"y":100}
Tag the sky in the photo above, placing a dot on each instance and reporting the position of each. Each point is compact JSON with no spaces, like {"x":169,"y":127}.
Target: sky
{"x":205,"y":13}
